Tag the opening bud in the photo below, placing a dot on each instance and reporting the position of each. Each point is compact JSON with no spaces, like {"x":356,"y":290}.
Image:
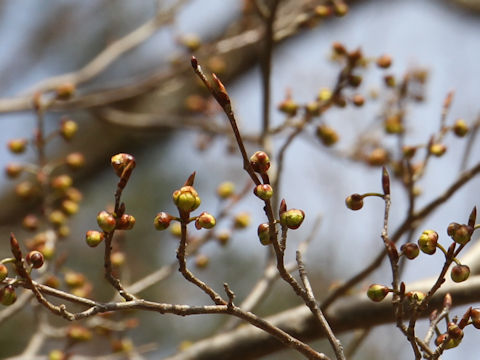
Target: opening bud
{"x":35,"y":259}
{"x":122,"y":162}
{"x":263,"y":232}
{"x":454,"y":331}
{"x":94,"y":238}
{"x":162,"y":221}
{"x":126,"y":222}
{"x":186,"y":198}
{"x":205,"y":221}
{"x":415,"y":297}
{"x":410,"y":250}
{"x":260,"y":162}
{"x":377,"y":292}
{"x":428,"y":242}
{"x":8,"y":295}
{"x":354,"y":202}
{"x":460,"y":273}
{"x":106,"y":221}
{"x":292,"y":218}
{"x":263,"y":191}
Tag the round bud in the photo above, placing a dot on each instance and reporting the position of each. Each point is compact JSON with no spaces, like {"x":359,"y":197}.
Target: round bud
{"x":8,"y":295}
{"x":410,"y":250}
{"x":460,"y":273}
{"x":263,"y":232}
{"x":241,"y":220}
{"x":323,"y":10}
{"x":30,"y":222}
{"x":25,"y":190}
{"x":409,"y":151}
{"x":74,"y":194}
{"x":225,"y":189}
{"x":126,"y":222}
{"x":57,"y":218}
{"x":437,"y":149}
{"x":354,"y":202}
{"x":460,"y":128}
{"x":201,"y":261}
{"x":327,"y":135}
{"x":121,"y":161}
{"x":162,"y":220}
{"x":340,"y":8}
{"x":68,"y":128}
{"x":3,"y":272}
{"x":223,"y":237}
{"x":57,"y":355}
{"x":65,"y":91}
{"x":324,"y":95}
{"x":312,"y":108}
{"x":339,"y":48}
{"x":384,"y":61}
{"x":186,"y":198}
{"x":475,"y":316}
{"x":106,"y":221}
{"x":13,"y":170}
{"x":79,"y":333}
{"x":389,"y":81}
{"x":263,"y":191}
{"x":17,"y":146}
{"x":462,"y":234}
{"x":377,"y":292}
{"x":62,"y":182}
{"x":75,"y":160}
{"x":292,"y":218}
{"x":35,"y":259}
{"x":378,"y":157}
{"x":394,"y":124}
{"x":428,"y":242}
{"x":353,"y":81}
{"x":452,"y":227}
{"x":260,"y":162}
{"x":63,"y":231}
{"x":205,"y":221}
{"x":94,"y":237}
{"x":358,"y":100}
{"x":74,"y":279}
{"x":289,"y":107}
{"x":69,"y":207}
{"x":117,"y":258}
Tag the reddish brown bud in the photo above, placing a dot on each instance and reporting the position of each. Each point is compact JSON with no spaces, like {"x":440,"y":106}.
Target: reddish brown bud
{"x":162,"y":220}
{"x":123,"y":164}
{"x":263,"y":232}
{"x":358,"y":100}
{"x":106,"y":221}
{"x":260,"y":162}
{"x":475,"y":316}
{"x":8,"y":295}
{"x":460,"y":273}
{"x":186,"y":198}
{"x":462,"y":234}
{"x":454,"y":331}
{"x":30,"y":222}
{"x":35,"y":259}
{"x":126,"y":222}
{"x":354,"y":202}
{"x":13,"y":170}
{"x":410,"y":250}
{"x":3,"y":272}
{"x":226,"y":189}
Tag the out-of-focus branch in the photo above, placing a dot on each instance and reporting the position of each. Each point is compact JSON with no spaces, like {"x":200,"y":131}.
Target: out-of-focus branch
{"x":355,"y":312}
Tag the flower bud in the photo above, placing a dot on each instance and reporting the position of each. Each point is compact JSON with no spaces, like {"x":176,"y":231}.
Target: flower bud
{"x":460,"y":128}
{"x":57,"y":355}
{"x":437,"y":149}
{"x":79,"y":333}
{"x":225,"y":189}
{"x":378,"y":157}
{"x":69,"y":207}
{"x":205,"y":221}
{"x":74,"y":194}
{"x":263,"y":232}
{"x":462,"y":234}
{"x":454,"y":331}
{"x":260,"y":162}
{"x":68,"y":128}
{"x":117,"y":258}
{"x":428,"y":242}
{"x":394,"y":124}
{"x":292,"y":218}
{"x":162,"y":220}
{"x":358,"y":100}
{"x":263,"y":191}
{"x":384,"y":61}
{"x":451,"y":343}
{"x":25,"y":190}
{"x":35,"y":259}
{"x":312,"y":108}
{"x":410,"y":250}
{"x":106,"y":221}
{"x":377,"y":292}
{"x":65,"y":91}
{"x":30,"y":222}
{"x":324,"y":95}
{"x":390,"y":81}
{"x":8,"y":295}
{"x":75,"y":160}
{"x":354,"y":202}
{"x":339,"y":48}
{"x":176,"y":229}
{"x":409,"y":151}
{"x":126,"y":222}
{"x":62,"y":182}
{"x":121,"y":162}
{"x":241,"y":220}
{"x":74,"y":279}
{"x":327,"y":135}
{"x":63,"y":231}
{"x":340,"y":8}
{"x":323,"y":10}
{"x":190,"y":41}
{"x":13,"y":170}
{"x":460,"y":273}
{"x":94,"y":238}
{"x":415,"y":297}
{"x":223,"y":237}
{"x":201,"y":261}
{"x":3,"y":272}
{"x":186,"y":198}
{"x":57,"y":218}
{"x":475,"y":316}
{"x":17,"y":146}
{"x":288,"y":106}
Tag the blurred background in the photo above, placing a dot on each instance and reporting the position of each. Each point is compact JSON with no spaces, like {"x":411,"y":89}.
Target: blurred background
{"x":154,"y":122}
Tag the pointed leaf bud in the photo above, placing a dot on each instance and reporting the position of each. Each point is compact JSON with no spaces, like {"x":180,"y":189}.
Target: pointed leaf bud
{"x":385,"y":181}
{"x":473,"y":217}
{"x":186,"y":198}
{"x":354,"y":202}
{"x":263,"y":191}
{"x":292,"y":218}
{"x":377,"y":292}
{"x":221,"y":93}
{"x":260,"y":162}
{"x":428,"y":242}
{"x":410,"y":250}
{"x":282,"y":208}
{"x":57,"y":218}
{"x":263,"y":232}
{"x":460,"y":273}
{"x":35,"y":259}
{"x":205,"y":221}
{"x":162,"y":220}
{"x":106,"y":221}
{"x":94,"y":238}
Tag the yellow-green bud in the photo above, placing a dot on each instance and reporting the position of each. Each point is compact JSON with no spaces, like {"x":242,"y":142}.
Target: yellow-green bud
{"x":8,"y":295}
{"x":226,"y":189}
{"x":384,"y":61}
{"x":12,"y":170}
{"x":205,"y":221}
{"x":106,"y":221}
{"x":162,"y":220}
{"x":292,"y":218}
{"x":94,"y":237}
{"x":75,"y":160}
{"x":263,"y":191}
{"x":460,"y":128}
{"x":263,"y":232}
{"x":428,"y":242}
{"x":17,"y":146}
{"x":186,"y":198}
{"x":460,"y":273}
{"x":377,"y":292}
{"x":62,"y":182}
{"x":242,"y":220}
{"x":327,"y":135}
{"x":68,"y":128}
